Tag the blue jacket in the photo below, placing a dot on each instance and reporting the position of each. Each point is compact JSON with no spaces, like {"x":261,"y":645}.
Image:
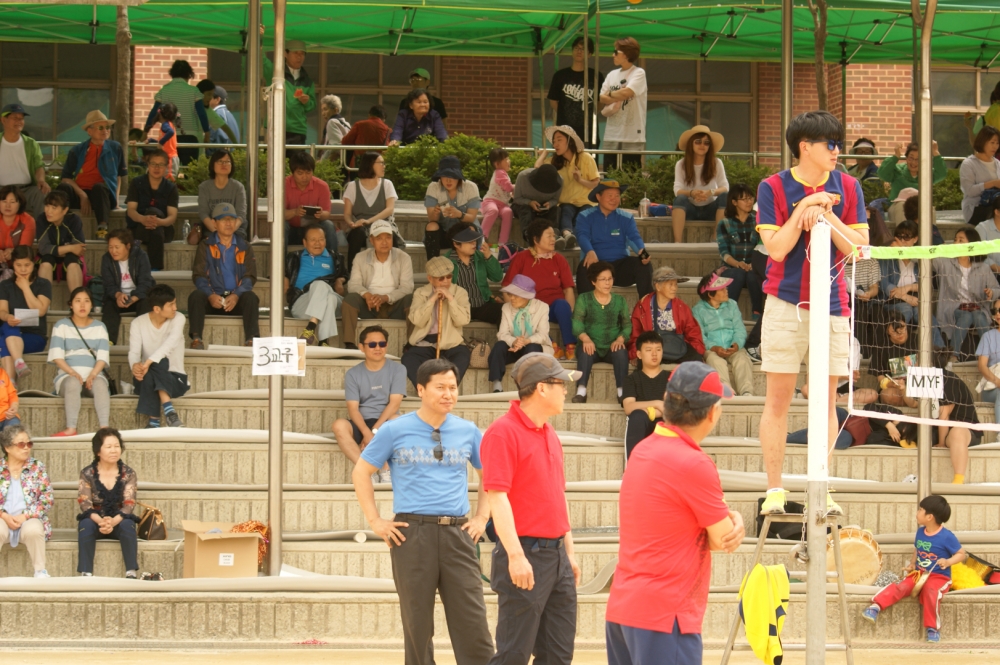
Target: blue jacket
{"x":890,"y":275}
{"x":207,"y":270}
{"x":111,"y":164}
{"x":606,"y":235}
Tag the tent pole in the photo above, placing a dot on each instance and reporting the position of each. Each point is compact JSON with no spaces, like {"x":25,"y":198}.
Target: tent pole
{"x":586,"y":91}
{"x":925,"y":433}
{"x":251,"y":128}
{"x":843,"y":97}
{"x":123,"y":81}
{"x":541,"y":90}
{"x":787,"y":53}
{"x":276,"y":193}
{"x":915,"y":86}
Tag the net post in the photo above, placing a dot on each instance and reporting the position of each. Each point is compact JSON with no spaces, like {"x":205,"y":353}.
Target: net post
{"x":819,"y":428}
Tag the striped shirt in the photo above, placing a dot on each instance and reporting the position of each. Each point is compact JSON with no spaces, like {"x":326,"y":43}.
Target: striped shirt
{"x":65,"y":344}
{"x":183,"y":95}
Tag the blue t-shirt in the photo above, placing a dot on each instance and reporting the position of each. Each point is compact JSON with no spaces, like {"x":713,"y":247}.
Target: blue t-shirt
{"x":989,"y":346}
{"x":422,"y":485}
{"x":942,"y":545}
{"x":607,"y":235}
{"x":313,"y":267}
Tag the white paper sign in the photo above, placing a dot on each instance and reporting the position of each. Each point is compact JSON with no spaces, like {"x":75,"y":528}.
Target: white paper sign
{"x":284,"y":356}
{"x":227,"y":559}
{"x":925,"y":382}
{"x":27,"y":317}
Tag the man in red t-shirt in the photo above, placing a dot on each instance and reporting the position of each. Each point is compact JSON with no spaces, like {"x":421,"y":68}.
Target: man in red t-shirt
{"x":534,"y":571}
{"x":671,"y":517}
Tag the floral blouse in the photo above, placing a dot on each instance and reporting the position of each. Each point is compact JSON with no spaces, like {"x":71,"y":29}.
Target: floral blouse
{"x":95,"y":498}
{"x":37,"y":491}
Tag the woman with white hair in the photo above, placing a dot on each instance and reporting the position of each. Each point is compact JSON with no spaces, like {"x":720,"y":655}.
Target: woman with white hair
{"x":336,"y":125}
{"x":25,"y":497}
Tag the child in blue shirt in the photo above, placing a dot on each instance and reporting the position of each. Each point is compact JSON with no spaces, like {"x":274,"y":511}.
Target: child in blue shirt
{"x":936,"y":550}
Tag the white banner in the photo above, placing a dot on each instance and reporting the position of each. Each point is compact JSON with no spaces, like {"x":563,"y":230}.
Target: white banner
{"x":279,"y":356}
{"x":925,"y":382}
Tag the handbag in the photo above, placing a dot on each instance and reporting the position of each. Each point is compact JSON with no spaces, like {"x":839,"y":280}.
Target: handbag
{"x":983,"y":384}
{"x":984,"y":210}
{"x":151,"y":525}
{"x":674,"y":346}
{"x":480,"y":354}
{"x":112,"y":384}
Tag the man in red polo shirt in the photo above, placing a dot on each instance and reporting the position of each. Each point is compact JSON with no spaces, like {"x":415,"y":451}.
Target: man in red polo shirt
{"x":671,"y":516}
{"x":534,"y":571}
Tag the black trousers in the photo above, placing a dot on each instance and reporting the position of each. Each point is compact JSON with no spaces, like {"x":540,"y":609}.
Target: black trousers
{"x":525,"y":215}
{"x":111,"y":314}
{"x":637,"y":427}
{"x":159,"y":377}
{"x":248,"y":306}
{"x":100,"y":200}
{"x":501,"y":356}
{"x":440,"y":558}
{"x":434,"y":241}
{"x":489,"y":312}
{"x":292,"y":138}
{"x":539,"y":622}
{"x":628,"y":271}
{"x":153,"y":240}
{"x":88,"y":534}
{"x":415,"y":356}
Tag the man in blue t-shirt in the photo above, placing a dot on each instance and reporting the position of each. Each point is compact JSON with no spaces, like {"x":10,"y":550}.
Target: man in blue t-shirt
{"x":790,"y":204}
{"x":373,"y":390}
{"x":430,"y":539}
{"x":314,"y":286}
{"x":935,"y":551}
{"x":605,"y":232}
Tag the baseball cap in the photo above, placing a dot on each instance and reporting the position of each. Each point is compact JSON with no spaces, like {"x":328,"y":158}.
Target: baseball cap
{"x":421,"y":72}
{"x":468,"y":234}
{"x":667,"y":274}
{"x":223,"y":210}
{"x":534,"y":368}
{"x":698,"y":383}
{"x":439,"y":267}
{"x":13,"y":108}
{"x":220,"y":92}
{"x":905,"y":193}
{"x":295,"y":45}
{"x":380,"y":227}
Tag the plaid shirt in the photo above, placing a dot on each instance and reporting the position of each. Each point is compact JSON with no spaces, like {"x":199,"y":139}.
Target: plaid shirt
{"x":727,"y":235}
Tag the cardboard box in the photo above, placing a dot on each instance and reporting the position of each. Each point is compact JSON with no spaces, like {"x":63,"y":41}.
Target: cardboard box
{"x":222,"y":554}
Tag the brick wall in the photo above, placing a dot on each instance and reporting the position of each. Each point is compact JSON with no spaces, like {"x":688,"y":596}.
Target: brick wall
{"x":878,"y":102}
{"x":151,"y":66}
{"x":487,"y":97}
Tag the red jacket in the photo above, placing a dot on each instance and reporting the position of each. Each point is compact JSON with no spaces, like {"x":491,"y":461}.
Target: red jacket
{"x":367,"y":132}
{"x":687,"y":326}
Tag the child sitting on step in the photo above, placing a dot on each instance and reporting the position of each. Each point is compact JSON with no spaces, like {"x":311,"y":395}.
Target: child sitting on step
{"x":936,"y":550}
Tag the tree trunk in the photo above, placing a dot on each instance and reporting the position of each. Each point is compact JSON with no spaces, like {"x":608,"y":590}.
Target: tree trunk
{"x":122,"y":108}
{"x":818,"y":10}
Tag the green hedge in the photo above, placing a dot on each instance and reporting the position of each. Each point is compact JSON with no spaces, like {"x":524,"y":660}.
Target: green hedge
{"x":657,"y":182}
{"x":196,"y":173}
{"x":410,"y":168}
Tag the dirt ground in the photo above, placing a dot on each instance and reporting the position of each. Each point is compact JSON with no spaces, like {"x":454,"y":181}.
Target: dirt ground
{"x":940,"y":655}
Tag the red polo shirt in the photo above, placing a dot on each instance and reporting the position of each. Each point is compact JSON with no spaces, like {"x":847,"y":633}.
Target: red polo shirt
{"x":526,"y":461}
{"x":316,"y":193}
{"x":670,"y":494}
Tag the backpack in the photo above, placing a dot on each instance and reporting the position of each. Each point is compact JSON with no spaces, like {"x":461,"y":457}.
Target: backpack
{"x":505,"y":253}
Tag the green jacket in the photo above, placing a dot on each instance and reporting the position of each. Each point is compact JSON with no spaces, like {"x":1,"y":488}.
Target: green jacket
{"x":487,"y":270}
{"x":295,"y":111}
{"x":898,"y":174}
{"x":602,"y":323}
{"x":33,"y":154}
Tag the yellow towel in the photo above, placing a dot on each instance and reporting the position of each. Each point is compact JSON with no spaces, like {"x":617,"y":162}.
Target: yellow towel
{"x":763,"y":608}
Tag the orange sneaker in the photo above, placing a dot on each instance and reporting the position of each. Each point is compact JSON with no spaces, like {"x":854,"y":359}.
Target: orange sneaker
{"x":557,"y":351}
{"x":570,"y":352}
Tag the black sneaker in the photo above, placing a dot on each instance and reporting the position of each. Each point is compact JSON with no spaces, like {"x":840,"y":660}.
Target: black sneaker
{"x":754,"y":354}
{"x":173,"y":420}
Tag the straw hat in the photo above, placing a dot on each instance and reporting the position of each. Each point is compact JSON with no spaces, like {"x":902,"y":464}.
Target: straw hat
{"x":568,"y":131}
{"x":95,"y":117}
{"x":717,"y":139}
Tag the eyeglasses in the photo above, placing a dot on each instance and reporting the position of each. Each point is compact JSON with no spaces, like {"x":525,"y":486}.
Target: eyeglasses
{"x":906,"y":237}
{"x":103,"y":128}
{"x":224,"y":162}
{"x":831,"y":145}
{"x":556,"y":382}
{"x":615,"y":52}
{"x":157,"y":165}
{"x":381,"y":345}
{"x":438,"y":449}
{"x":380,"y":161}
{"x":24,"y":444}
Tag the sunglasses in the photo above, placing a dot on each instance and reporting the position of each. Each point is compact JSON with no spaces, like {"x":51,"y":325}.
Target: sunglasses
{"x":996,"y":311}
{"x":372,"y":345}
{"x":438,"y":448}
{"x":24,"y":444}
{"x":906,"y":237}
{"x":831,"y":145}
{"x":702,"y":141}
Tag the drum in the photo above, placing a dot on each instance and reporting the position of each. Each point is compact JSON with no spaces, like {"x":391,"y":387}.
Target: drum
{"x":862,"y":557}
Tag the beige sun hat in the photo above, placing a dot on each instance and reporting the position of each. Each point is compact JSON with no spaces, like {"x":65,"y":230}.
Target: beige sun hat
{"x":717,"y":139}
{"x":95,"y":117}
{"x":568,"y":131}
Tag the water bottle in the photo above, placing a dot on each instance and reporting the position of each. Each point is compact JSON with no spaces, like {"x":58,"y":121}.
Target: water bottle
{"x":644,"y":207}
{"x":186,"y":229}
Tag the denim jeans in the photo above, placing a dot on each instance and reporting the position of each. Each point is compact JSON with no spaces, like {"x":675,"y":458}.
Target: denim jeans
{"x":963,"y":321}
{"x":567,"y":216}
{"x":560,"y":312}
{"x":754,"y":286}
{"x":585,"y":362}
{"x":993,"y":396}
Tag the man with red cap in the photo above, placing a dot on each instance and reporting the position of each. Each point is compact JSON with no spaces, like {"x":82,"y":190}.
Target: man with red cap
{"x":671,"y":516}
{"x":534,"y":571}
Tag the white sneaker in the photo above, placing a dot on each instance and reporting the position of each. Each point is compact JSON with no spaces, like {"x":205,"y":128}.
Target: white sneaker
{"x":375,"y":478}
{"x":42,"y":573}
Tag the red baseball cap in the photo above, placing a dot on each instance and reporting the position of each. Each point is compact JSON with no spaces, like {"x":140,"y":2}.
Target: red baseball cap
{"x":698,"y":383}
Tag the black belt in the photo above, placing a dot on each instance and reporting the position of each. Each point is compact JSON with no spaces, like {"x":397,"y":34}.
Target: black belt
{"x":432,"y":519}
{"x":535,"y":544}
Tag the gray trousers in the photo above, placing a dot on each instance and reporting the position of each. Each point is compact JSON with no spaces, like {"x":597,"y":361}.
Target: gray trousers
{"x":320,"y":302}
{"x":443,"y":559}
{"x":540,"y":622}
{"x":34,"y":198}
{"x":71,"y":391}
